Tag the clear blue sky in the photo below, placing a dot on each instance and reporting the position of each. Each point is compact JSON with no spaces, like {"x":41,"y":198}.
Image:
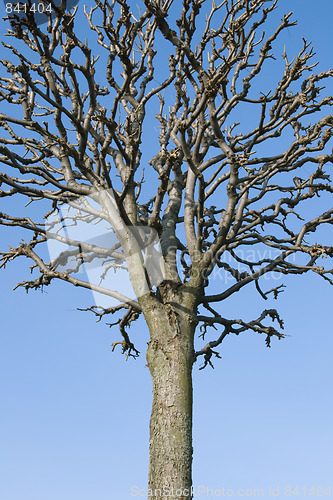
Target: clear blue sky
{"x":74,"y":416}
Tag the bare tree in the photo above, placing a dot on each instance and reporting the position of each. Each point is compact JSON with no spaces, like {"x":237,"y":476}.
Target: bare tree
{"x":230,"y":172}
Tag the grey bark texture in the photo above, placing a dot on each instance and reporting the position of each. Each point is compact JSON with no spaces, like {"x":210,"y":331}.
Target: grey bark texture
{"x":170,"y":358}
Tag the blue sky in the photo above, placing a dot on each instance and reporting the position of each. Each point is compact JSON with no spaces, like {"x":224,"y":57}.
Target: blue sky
{"x":74,"y":416}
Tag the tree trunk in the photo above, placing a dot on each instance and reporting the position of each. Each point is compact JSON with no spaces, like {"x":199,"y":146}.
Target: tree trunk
{"x":170,"y":358}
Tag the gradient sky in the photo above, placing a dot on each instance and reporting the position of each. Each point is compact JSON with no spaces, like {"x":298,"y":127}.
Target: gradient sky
{"x":74,"y":416}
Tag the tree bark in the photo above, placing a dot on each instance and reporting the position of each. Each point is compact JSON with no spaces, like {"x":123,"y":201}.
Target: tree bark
{"x":170,"y":359}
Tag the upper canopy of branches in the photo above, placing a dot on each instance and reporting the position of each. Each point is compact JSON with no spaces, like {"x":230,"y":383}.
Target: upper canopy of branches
{"x":231,"y":162}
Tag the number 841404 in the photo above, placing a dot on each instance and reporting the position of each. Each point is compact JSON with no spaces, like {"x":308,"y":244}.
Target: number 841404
{"x":41,"y":8}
